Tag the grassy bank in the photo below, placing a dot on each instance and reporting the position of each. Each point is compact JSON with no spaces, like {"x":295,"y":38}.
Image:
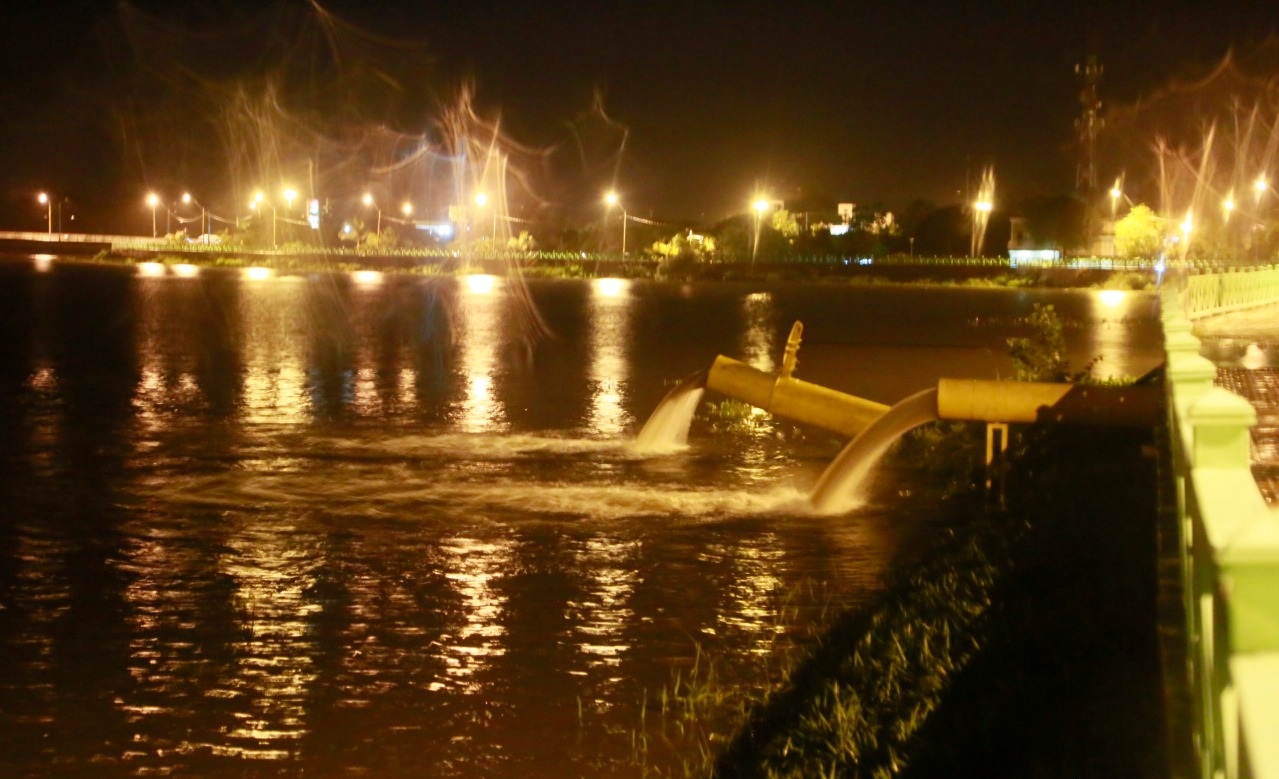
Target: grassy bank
{"x":1020,"y":642}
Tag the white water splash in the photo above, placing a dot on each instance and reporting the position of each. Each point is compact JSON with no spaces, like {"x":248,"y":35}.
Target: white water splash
{"x":468,"y":446}
{"x":450,"y":496}
{"x":667,"y":429}
{"x":839,"y":488}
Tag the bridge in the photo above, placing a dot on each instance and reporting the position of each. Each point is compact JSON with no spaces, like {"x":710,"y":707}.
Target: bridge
{"x":1229,"y":535}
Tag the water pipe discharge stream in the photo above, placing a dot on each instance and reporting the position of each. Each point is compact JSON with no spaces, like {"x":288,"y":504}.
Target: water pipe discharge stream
{"x":873,"y":427}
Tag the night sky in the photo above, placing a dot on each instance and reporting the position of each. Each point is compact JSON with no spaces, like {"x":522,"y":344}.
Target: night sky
{"x":690,"y":107}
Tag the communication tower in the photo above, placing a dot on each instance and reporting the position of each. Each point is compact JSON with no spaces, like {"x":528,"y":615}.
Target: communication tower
{"x":1088,"y":125}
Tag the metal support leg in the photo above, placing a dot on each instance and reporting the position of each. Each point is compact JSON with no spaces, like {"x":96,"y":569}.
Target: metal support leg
{"x":995,"y":459}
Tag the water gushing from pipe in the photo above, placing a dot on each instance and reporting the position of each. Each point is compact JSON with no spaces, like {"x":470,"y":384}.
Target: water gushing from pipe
{"x":667,"y":427}
{"x":837,"y":489}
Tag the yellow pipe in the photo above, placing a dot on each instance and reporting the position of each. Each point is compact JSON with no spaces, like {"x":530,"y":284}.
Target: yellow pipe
{"x":792,"y":398}
{"x":957,"y":399}
{"x":1029,"y":401}
{"x":996,"y":401}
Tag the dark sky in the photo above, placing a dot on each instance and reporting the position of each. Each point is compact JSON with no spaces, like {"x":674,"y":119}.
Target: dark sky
{"x":838,"y":101}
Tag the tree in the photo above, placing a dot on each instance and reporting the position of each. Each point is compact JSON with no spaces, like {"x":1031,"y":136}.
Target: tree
{"x":1140,"y":233}
{"x":681,"y":254}
{"x":385,"y":240}
{"x":1041,"y":356}
{"x":735,"y":236}
{"x":521,"y":243}
{"x":784,"y":223}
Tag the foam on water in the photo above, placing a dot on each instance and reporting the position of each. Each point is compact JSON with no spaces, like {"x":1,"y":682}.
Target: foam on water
{"x":468,"y":446}
{"x":402,"y":495}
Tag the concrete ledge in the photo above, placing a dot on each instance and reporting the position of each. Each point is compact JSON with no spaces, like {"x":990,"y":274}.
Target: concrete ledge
{"x":1256,"y":678}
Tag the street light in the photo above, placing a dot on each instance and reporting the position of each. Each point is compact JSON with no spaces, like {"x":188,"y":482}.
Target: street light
{"x":612,"y":200}
{"x":153,"y":200}
{"x":482,"y":200}
{"x":260,"y":200}
{"x":981,"y":213}
{"x":1228,"y":205}
{"x":406,"y":209}
{"x":204,"y":218}
{"x":368,"y":201}
{"x":760,"y":205}
{"x":290,"y":194}
{"x":1115,"y":192}
{"x":46,"y":201}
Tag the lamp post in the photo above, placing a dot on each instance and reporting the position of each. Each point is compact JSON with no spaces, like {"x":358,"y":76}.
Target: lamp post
{"x":46,"y":201}
{"x":260,"y":200}
{"x":204,"y":215}
{"x":290,"y":194}
{"x":153,"y":200}
{"x":981,"y":212}
{"x":612,"y":200}
{"x":760,"y":205}
{"x":368,"y":201}
{"x":482,"y":200}
{"x":1115,"y":192}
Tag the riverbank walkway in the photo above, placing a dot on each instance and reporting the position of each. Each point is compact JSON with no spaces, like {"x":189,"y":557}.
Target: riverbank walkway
{"x":1245,"y":347}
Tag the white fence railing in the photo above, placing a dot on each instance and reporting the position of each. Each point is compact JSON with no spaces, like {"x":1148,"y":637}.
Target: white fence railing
{"x":1229,"y":543}
{"x":1217,"y":293}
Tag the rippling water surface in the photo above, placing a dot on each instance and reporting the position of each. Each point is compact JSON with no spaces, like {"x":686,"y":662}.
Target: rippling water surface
{"x":395,"y":527}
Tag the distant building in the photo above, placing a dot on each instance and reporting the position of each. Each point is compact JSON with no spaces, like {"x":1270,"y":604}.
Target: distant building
{"x":1022,"y":246}
{"x":1103,"y":244}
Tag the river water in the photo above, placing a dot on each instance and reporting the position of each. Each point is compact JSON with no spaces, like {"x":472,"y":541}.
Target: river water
{"x":331,"y":525}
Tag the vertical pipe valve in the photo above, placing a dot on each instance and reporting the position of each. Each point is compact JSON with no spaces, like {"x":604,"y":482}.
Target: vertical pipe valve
{"x":791,"y":355}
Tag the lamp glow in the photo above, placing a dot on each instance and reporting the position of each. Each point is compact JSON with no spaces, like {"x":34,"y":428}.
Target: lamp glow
{"x":153,"y":200}
{"x":480,"y":283}
{"x":610,"y":287}
{"x":44,"y":200}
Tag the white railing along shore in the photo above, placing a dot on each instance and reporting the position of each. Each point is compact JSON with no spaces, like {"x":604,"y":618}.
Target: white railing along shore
{"x":1229,"y":540}
{"x":1218,"y":293}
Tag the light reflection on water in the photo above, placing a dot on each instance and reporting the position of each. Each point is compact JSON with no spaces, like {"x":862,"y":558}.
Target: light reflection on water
{"x":377,"y":528}
{"x":610,"y":336}
{"x":759,"y":331}
{"x":1115,"y":350}
{"x":480,"y":341}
